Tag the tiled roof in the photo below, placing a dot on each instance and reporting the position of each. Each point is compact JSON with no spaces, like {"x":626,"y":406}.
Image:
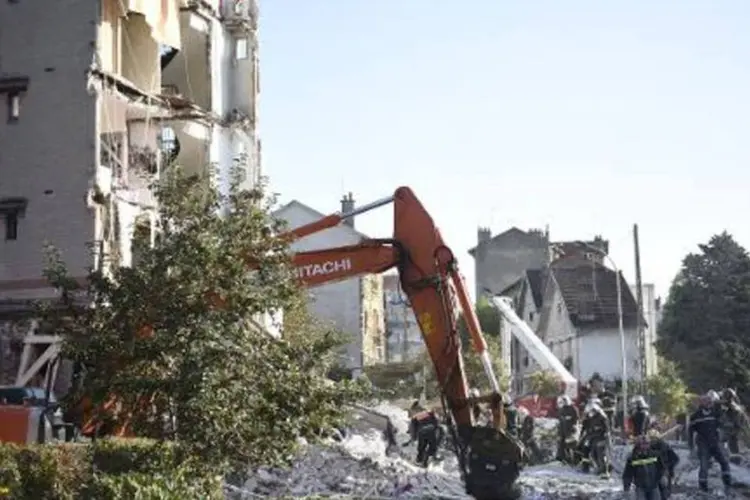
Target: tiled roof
{"x":590,"y":293}
{"x":536,"y":282}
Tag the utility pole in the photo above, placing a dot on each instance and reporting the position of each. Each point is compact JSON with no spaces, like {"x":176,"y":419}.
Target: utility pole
{"x":640,"y":330}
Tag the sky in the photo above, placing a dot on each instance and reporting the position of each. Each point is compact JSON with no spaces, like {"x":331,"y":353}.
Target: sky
{"x":584,"y":116}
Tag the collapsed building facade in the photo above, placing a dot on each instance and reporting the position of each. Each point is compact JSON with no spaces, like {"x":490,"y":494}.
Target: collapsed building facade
{"x":99,"y":97}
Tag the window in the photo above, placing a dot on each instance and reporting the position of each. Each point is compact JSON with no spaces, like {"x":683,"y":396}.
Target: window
{"x":11,"y":209}
{"x":14,"y":106}
{"x":11,"y":226}
{"x":13,"y":88}
{"x":240,"y":49}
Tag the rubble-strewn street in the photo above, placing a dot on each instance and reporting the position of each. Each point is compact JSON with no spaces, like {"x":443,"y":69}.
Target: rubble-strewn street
{"x":358,"y":468}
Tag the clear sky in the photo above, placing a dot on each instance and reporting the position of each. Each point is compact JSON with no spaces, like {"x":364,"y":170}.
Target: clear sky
{"x":587,"y":116}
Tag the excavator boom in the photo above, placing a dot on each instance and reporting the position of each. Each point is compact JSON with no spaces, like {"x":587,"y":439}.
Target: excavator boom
{"x":428,"y":271}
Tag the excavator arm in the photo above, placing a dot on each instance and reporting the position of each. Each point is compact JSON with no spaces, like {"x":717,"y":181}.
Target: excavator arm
{"x":428,"y":271}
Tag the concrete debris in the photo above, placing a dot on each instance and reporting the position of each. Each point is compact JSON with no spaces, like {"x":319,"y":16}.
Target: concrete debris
{"x":357,"y":467}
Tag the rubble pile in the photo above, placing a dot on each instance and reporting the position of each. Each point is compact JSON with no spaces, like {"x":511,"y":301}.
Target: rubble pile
{"x":357,"y":467}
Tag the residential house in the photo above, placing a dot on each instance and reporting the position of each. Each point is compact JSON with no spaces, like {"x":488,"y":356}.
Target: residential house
{"x":500,"y":260}
{"x":569,"y":301}
{"x":404,"y":338}
{"x":354,"y":305}
{"x":580,"y":321}
{"x":98,"y":96}
{"x":527,"y":294}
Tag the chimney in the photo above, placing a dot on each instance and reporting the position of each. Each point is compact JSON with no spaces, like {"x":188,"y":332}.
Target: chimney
{"x":484,"y":234}
{"x":347,"y":205}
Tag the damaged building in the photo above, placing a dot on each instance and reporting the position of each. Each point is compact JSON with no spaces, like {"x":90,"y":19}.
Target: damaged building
{"x":98,"y":98}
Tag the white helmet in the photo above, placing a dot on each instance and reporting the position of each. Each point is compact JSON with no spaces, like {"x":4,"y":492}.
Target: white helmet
{"x":474,"y":393}
{"x":713,"y":396}
{"x":639,"y":402}
{"x":563,"y":401}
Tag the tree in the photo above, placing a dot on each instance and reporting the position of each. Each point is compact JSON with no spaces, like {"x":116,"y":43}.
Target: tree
{"x":707,"y":316}
{"x":669,"y":392}
{"x":179,"y":331}
{"x":489,"y":320}
{"x":545,"y":383}
{"x":472,"y":367}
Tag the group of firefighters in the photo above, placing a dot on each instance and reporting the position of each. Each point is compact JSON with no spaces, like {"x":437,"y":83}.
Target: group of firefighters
{"x":584,"y":438}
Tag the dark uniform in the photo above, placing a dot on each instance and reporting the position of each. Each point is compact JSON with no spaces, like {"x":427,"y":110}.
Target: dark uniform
{"x":669,"y":460}
{"x":567,"y":428}
{"x":644,"y":468}
{"x":705,"y":434}
{"x":511,"y":419}
{"x":595,"y":440}
{"x":609,"y":402}
{"x":640,"y":417}
{"x":733,"y":417}
{"x":425,"y":430}
{"x":529,"y":440}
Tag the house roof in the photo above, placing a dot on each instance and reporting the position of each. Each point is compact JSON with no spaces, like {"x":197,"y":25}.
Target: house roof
{"x":510,"y":232}
{"x":589,"y":290}
{"x":278,"y":213}
{"x":536,"y":281}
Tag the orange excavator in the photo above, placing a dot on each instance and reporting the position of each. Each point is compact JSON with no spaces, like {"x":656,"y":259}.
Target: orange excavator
{"x":490,"y":460}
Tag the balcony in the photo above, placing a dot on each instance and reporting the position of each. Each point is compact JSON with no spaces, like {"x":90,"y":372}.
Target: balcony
{"x":240,"y":15}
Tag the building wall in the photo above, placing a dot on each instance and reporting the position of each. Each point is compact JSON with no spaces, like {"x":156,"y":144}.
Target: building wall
{"x":521,"y":361}
{"x":373,"y":320}
{"x":49,"y":155}
{"x":599,"y":351}
{"x":652,"y":314}
{"x":404,"y":336}
{"x":498,"y":264}
{"x":339,"y":303}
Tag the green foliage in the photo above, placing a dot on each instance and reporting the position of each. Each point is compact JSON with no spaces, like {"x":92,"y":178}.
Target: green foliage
{"x":544,"y":383}
{"x":489,"y":320}
{"x":472,"y":367}
{"x":667,"y":390}
{"x":705,"y":319}
{"x":179,"y":330}
{"x":103,"y":470}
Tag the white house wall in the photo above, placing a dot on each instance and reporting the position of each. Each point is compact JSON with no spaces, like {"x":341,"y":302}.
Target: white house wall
{"x":599,"y":351}
{"x":338,"y":302}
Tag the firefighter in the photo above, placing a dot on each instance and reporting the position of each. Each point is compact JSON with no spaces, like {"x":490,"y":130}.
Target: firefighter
{"x":669,"y":460}
{"x":527,"y":436}
{"x":476,"y":408}
{"x":389,"y":435}
{"x":425,"y":430}
{"x":644,"y":468}
{"x":733,"y":417}
{"x":704,"y":433}
{"x":511,"y":417}
{"x":608,"y":404}
{"x":567,"y":429}
{"x":640,"y":417}
{"x":595,"y":437}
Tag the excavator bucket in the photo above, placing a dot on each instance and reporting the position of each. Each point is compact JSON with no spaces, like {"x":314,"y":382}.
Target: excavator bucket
{"x":492,"y":464}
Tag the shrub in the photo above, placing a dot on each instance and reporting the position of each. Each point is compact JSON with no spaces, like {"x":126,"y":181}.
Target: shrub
{"x":103,"y":470}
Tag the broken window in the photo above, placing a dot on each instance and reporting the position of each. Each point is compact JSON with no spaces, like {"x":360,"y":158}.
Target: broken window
{"x":112,"y":151}
{"x":169,"y":146}
{"x":11,"y":209}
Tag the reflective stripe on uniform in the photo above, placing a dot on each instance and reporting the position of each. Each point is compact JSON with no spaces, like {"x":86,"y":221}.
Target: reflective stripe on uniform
{"x":644,"y":461}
